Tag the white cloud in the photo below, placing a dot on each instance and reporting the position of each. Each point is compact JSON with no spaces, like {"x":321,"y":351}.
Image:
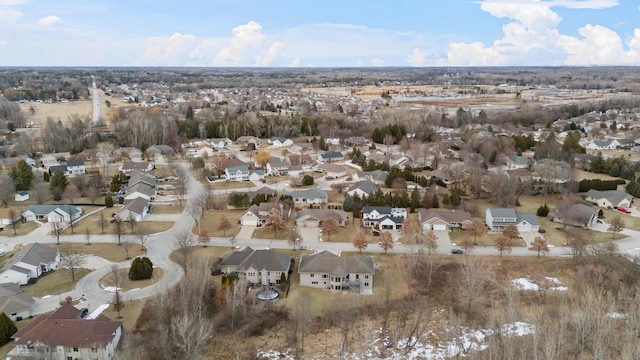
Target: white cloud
{"x":359,"y":63}
{"x":600,"y":45}
{"x":417,"y":57}
{"x":534,"y":15}
{"x":295,"y":63}
{"x":12,"y":2}
{"x":175,"y":50}
{"x":584,"y":4}
{"x":245,"y":38}
{"x":8,"y":15}
{"x":272,"y":54}
{"x":50,"y":20}
{"x":377,"y":62}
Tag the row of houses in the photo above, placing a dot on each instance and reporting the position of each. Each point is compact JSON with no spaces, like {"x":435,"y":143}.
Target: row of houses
{"x":140,"y":191}
{"x":324,"y":270}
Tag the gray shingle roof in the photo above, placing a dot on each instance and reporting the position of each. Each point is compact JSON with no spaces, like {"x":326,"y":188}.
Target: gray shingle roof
{"x":327,"y":262}
{"x":530,"y":218}
{"x":313,"y":193}
{"x":323,"y":214}
{"x":13,"y":300}
{"x":268,"y":259}
{"x":446,"y":215}
{"x":614,"y":196}
{"x":503,"y":213}
{"x":33,"y":254}
{"x":366,"y":186}
{"x":45,"y":209}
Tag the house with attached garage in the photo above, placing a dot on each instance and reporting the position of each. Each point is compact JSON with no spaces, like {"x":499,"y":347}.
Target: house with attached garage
{"x":52,"y":213}
{"x":263,"y":267}
{"x":67,"y":334}
{"x":257,"y":215}
{"x":315,"y":217}
{"x":29,"y":263}
{"x":277,"y":166}
{"x":326,"y":270}
{"x":383,"y":217}
{"x":15,"y":303}
{"x":443,"y":220}
{"x":579,"y":215}
{"x":131,"y":166}
{"x":140,"y":190}
{"x":609,"y":199}
{"x":333,"y":171}
{"x":330,"y":156}
{"x":309,"y":196}
{"x":602,"y":145}
{"x":133,"y":210}
{"x":497,"y":219}
{"x":142,"y":178}
{"x":280,"y":141}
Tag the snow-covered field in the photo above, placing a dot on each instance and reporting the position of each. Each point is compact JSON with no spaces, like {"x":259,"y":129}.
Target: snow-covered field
{"x":552,"y":284}
{"x":413,"y":349}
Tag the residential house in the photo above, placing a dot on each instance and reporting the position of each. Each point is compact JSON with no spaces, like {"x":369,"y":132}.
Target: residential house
{"x":263,"y":267}
{"x":363,"y":188}
{"x":443,"y":220}
{"x":159,"y":150}
{"x":383,"y":217}
{"x":65,"y":334}
{"x":256,"y":175}
{"x":302,"y":147}
{"x":29,"y":263}
{"x":15,"y":303}
{"x":517,"y":162}
{"x":551,"y":171}
{"x":295,"y":171}
{"x":575,"y":215}
{"x":257,"y":215}
{"x":497,"y":219}
{"x":300,"y":159}
{"x":9,"y":216}
{"x":53,"y":159}
{"x":21,"y":196}
{"x":330,"y":156}
{"x":357,"y":141}
{"x":309,"y":196}
{"x":246,"y":140}
{"x":219,"y":143}
{"x":602,"y":145}
{"x":237,"y":173}
{"x":315,"y":217}
{"x":609,"y":199}
{"x":133,"y":209}
{"x":131,"y":166}
{"x":522,"y":175}
{"x":280,"y":141}
{"x":52,"y":213}
{"x":140,"y":190}
{"x":333,"y":171}
{"x":132,"y":153}
{"x":76,"y":167}
{"x":205,"y":151}
{"x":326,"y":270}
{"x":276,"y":166}
{"x":376,"y":176}
{"x":142,"y":178}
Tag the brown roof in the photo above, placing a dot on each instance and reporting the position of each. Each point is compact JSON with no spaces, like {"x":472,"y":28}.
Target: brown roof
{"x":64,"y":327}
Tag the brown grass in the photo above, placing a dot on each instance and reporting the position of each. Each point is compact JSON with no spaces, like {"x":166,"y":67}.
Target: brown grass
{"x":127,"y":284}
{"x":265,"y":232}
{"x":166,"y":209}
{"x":211,"y":221}
{"x":108,"y":251}
{"x":93,"y":226}
{"x":231,"y":185}
{"x":21,"y":229}
{"x":55,"y":282}
{"x":130,"y":313}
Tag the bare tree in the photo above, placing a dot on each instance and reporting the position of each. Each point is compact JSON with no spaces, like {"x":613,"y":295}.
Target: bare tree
{"x":103,"y":221}
{"x":13,"y":213}
{"x":386,"y":241}
{"x":294,"y":240}
{"x":195,"y":209}
{"x":105,"y":152}
{"x":87,"y":235}
{"x":503,"y":243}
{"x":116,"y":279}
{"x":183,"y":243}
{"x":616,"y":225}
{"x":204,"y":238}
{"x":578,"y":243}
{"x":56,"y":230}
{"x":476,"y":228}
{"x":41,"y":193}
{"x":275,"y":223}
{"x":329,"y":226}
{"x":7,"y":189}
{"x":473,"y":278}
{"x":126,"y":246}
{"x":71,"y":192}
{"x":431,"y":240}
{"x":92,"y":193}
{"x":118,"y":231}
{"x":142,"y":235}
{"x":224,"y":224}
{"x":360,"y":241}
{"x":511,"y":231}
{"x":72,"y":260}
{"x":540,"y":245}
{"x":181,"y":184}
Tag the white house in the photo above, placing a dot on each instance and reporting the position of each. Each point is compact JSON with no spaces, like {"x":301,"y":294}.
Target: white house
{"x":134,"y":210}
{"x":263,"y":267}
{"x":140,"y":190}
{"x":326,"y":270}
{"x":257,"y":215}
{"x":443,"y":220}
{"x":131,"y":166}
{"x":9,"y":216}
{"x":65,"y":334}
{"x":29,"y":263}
{"x":205,"y":151}
{"x":237,"y":173}
{"x":383,"y":217}
{"x":315,"y":217}
{"x":52,"y":213}
{"x":602,"y":145}
{"x":76,"y":167}
{"x":21,"y":196}
{"x":609,"y":199}
{"x":280,"y":141}
{"x":15,"y":303}
{"x":497,"y":219}
{"x":309,"y":196}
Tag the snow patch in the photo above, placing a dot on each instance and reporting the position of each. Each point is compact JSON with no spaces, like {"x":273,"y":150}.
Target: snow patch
{"x":616,"y":315}
{"x":97,"y":311}
{"x":46,"y":296}
{"x":525,"y":284}
{"x":109,"y":288}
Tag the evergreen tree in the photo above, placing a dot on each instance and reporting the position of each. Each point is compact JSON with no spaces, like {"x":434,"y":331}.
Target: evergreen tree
{"x":614,"y":171}
{"x":7,"y":329}
{"x":415,"y":199}
{"x":57,"y":183}
{"x":348,"y":203}
{"x":434,"y":201}
{"x":22,"y":175}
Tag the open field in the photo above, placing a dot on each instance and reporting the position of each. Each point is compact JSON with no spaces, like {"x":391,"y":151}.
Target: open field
{"x":166,"y":209}
{"x":55,"y":282}
{"x":94,"y":225}
{"x":211,"y":221}
{"x":231,"y":185}
{"x":21,"y":229}
{"x":108,"y":251}
{"x":579,"y":174}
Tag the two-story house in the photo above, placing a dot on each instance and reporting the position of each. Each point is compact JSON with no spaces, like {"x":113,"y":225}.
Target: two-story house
{"x":264,"y":267}
{"x":237,"y":173}
{"x":383,"y":217}
{"x":326,"y":270}
{"x":497,"y":219}
{"x":257,"y":215}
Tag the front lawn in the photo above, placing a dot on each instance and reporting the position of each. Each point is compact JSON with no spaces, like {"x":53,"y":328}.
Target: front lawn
{"x":95,"y":224}
{"x":212,"y":218}
{"x":265,"y":232}
{"x":128,"y":284}
{"x":108,"y":251}
{"x":55,"y":282}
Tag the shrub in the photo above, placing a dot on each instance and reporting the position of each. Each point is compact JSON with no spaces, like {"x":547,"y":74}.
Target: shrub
{"x":108,"y":201}
{"x":307,"y":180}
{"x":543,"y":210}
{"x":7,"y":329}
{"x":141,"y":269}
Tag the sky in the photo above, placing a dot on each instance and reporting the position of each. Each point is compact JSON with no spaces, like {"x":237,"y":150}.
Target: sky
{"x":324,"y":33}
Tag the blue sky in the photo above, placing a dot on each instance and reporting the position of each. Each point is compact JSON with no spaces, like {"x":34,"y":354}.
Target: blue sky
{"x":319,"y":33}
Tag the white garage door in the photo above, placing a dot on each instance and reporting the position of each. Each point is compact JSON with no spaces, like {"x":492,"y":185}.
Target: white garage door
{"x":439,"y":227}
{"x":250,"y":222}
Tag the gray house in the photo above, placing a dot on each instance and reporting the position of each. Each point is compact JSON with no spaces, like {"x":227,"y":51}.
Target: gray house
{"x":309,"y":196}
{"x":326,"y":270}
{"x":29,"y":263}
{"x":257,"y":266}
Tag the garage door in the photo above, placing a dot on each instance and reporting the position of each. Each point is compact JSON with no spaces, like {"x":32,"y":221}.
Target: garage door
{"x":250,"y":222}
{"x":439,"y":227}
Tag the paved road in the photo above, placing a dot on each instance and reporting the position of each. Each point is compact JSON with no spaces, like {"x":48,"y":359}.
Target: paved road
{"x":95,"y":96}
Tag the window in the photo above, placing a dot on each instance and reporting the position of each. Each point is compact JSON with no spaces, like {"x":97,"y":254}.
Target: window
{"x":93,"y":350}
{"x":324,"y":276}
{"x":312,"y":275}
{"x":67,"y":349}
{"x":69,"y":358}
{"x":277,"y":281}
{"x":366,"y":284}
{"x":75,"y":349}
{"x":366,"y":276}
{"x":357,"y":276}
{"x":314,"y":283}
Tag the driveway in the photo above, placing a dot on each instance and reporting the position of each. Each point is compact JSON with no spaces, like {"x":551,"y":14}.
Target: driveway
{"x":309,"y":235}
{"x":246,"y":232}
{"x":444,"y":241}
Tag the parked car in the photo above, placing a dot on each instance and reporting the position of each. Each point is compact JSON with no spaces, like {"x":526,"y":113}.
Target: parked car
{"x":457,"y":251}
{"x":624,"y":210}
